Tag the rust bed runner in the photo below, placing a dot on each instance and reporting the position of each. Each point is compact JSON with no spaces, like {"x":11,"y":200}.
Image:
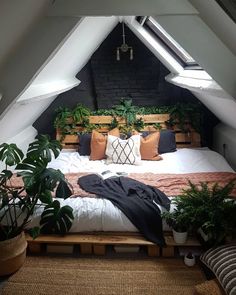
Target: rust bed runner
{"x":170,"y":184}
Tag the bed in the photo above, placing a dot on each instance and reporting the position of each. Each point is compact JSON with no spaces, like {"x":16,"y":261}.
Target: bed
{"x":170,"y":175}
{"x":167,"y":169}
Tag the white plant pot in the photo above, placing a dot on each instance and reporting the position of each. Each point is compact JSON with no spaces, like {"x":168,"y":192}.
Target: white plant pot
{"x":180,"y":237}
{"x":189,"y":261}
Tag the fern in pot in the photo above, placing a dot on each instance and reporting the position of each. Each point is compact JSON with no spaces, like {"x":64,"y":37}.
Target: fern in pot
{"x":33,"y":191}
{"x":212,"y":210}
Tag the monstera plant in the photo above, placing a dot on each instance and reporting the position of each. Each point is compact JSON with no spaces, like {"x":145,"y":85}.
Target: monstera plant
{"x":37,"y":186}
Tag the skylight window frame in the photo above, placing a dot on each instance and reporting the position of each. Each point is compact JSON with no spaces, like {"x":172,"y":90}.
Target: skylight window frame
{"x":169,"y":43}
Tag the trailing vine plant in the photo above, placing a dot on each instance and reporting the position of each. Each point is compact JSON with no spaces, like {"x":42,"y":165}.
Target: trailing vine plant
{"x":182,"y":115}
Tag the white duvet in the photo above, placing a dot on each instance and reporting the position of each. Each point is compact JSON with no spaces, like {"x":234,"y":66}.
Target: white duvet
{"x":182,"y":161}
{"x":100,"y":214}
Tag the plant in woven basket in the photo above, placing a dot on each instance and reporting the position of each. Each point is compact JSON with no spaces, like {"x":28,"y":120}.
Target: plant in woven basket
{"x":34,"y":191}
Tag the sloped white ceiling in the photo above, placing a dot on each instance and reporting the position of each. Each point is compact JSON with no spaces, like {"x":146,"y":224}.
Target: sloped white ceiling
{"x":59,"y":44}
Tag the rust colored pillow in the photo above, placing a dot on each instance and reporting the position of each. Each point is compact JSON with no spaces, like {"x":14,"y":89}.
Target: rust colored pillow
{"x":99,"y":142}
{"x":149,"y":146}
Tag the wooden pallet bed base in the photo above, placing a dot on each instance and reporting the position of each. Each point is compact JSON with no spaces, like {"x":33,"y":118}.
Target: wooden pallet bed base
{"x":95,"y":243}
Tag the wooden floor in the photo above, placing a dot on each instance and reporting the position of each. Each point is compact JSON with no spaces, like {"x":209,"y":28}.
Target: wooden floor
{"x":96,"y":243}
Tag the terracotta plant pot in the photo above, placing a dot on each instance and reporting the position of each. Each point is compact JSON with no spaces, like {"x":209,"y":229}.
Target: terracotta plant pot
{"x":180,"y":237}
{"x":12,"y":254}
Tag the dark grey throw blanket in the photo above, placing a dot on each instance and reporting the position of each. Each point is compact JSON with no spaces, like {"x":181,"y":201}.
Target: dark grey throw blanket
{"x":135,"y":199}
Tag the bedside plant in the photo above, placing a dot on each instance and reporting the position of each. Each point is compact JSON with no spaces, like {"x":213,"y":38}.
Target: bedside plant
{"x":211,"y":209}
{"x":179,"y":220}
{"x":18,"y":202}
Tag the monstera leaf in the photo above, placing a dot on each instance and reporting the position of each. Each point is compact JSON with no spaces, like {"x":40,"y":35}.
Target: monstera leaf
{"x":44,"y":147}
{"x":56,"y":219}
{"x":10,"y":153}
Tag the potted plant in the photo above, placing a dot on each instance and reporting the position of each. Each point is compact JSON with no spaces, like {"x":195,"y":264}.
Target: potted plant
{"x":212,"y":211}
{"x":179,"y":220}
{"x":189,"y":259}
{"x":35,"y":189}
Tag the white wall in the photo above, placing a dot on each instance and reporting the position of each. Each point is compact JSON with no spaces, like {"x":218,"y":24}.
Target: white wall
{"x":121,"y":7}
{"x":39,"y":45}
{"x":219,"y":22}
{"x":225,"y":143}
{"x":89,"y":33}
{"x":16,"y":19}
{"x":21,"y":116}
{"x":204,"y":46}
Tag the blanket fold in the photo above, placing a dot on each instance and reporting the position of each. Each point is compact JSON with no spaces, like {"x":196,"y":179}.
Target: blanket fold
{"x":139,"y":202}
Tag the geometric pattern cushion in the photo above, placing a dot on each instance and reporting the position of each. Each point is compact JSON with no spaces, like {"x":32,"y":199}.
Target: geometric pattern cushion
{"x":121,"y":151}
{"x":222,"y":262}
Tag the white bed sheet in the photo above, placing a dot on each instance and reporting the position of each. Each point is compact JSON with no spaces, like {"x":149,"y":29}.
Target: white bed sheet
{"x":100,"y":214}
{"x":182,"y":161}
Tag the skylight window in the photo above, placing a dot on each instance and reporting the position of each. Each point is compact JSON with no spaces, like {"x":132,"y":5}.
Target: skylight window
{"x":170,"y":44}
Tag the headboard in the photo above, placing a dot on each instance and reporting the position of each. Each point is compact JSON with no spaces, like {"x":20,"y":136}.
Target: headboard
{"x":183,"y":139}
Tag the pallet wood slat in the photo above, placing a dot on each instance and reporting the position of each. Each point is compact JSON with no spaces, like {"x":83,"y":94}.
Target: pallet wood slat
{"x":188,"y":139}
{"x":96,"y":243}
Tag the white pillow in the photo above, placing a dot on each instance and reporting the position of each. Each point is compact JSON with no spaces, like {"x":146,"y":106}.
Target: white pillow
{"x":121,"y":151}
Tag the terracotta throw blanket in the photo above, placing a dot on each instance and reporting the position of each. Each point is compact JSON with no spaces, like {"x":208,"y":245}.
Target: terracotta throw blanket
{"x":170,"y":184}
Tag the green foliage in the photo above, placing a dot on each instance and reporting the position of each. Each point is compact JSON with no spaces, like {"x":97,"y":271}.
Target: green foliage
{"x":126,"y":110}
{"x":17,"y":204}
{"x":11,"y":154}
{"x":80,"y":113}
{"x":67,"y":119}
{"x":56,"y":219}
{"x":210,"y":209}
{"x":180,"y":114}
{"x":157,"y":126}
{"x":138,"y":124}
{"x":178,"y":219}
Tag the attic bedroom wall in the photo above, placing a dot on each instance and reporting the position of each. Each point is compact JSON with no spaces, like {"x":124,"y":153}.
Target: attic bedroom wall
{"x":104,"y":80}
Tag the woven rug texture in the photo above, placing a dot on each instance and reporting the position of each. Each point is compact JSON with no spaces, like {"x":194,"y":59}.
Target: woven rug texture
{"x":106,"y":276}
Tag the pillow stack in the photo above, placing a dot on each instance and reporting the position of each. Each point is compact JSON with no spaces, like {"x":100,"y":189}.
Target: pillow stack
{"x":139,"y":146}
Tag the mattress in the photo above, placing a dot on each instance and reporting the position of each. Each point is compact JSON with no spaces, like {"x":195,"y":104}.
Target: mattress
{"x":96,"y":214}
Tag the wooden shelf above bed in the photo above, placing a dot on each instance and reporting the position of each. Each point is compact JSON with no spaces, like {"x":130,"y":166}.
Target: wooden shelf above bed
{"x":183,"y":139}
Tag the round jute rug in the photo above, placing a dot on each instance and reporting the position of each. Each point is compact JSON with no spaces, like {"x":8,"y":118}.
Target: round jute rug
{"x":107,"y":276}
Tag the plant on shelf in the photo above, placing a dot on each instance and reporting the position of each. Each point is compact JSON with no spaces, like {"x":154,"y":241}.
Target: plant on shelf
{"x":126,"y":110}
{"x":31,"y":190}
{"x":67,"y":119}
{"x":211,"y":209}
{"x":184,"y":115}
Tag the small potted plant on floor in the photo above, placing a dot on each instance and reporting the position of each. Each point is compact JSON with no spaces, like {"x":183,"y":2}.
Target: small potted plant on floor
{"x":189,"y":259}
{"x":21,"y":195}
{"x":179,"y":220}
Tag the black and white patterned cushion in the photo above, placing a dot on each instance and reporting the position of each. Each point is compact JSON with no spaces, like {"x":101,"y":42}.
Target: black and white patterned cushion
{"x":121,"y":151}
{"x":222,"y":262}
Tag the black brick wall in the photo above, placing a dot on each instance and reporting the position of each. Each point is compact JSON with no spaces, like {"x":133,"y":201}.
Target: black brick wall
{"x":142,"y":78}
{"x":104,"y":80}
